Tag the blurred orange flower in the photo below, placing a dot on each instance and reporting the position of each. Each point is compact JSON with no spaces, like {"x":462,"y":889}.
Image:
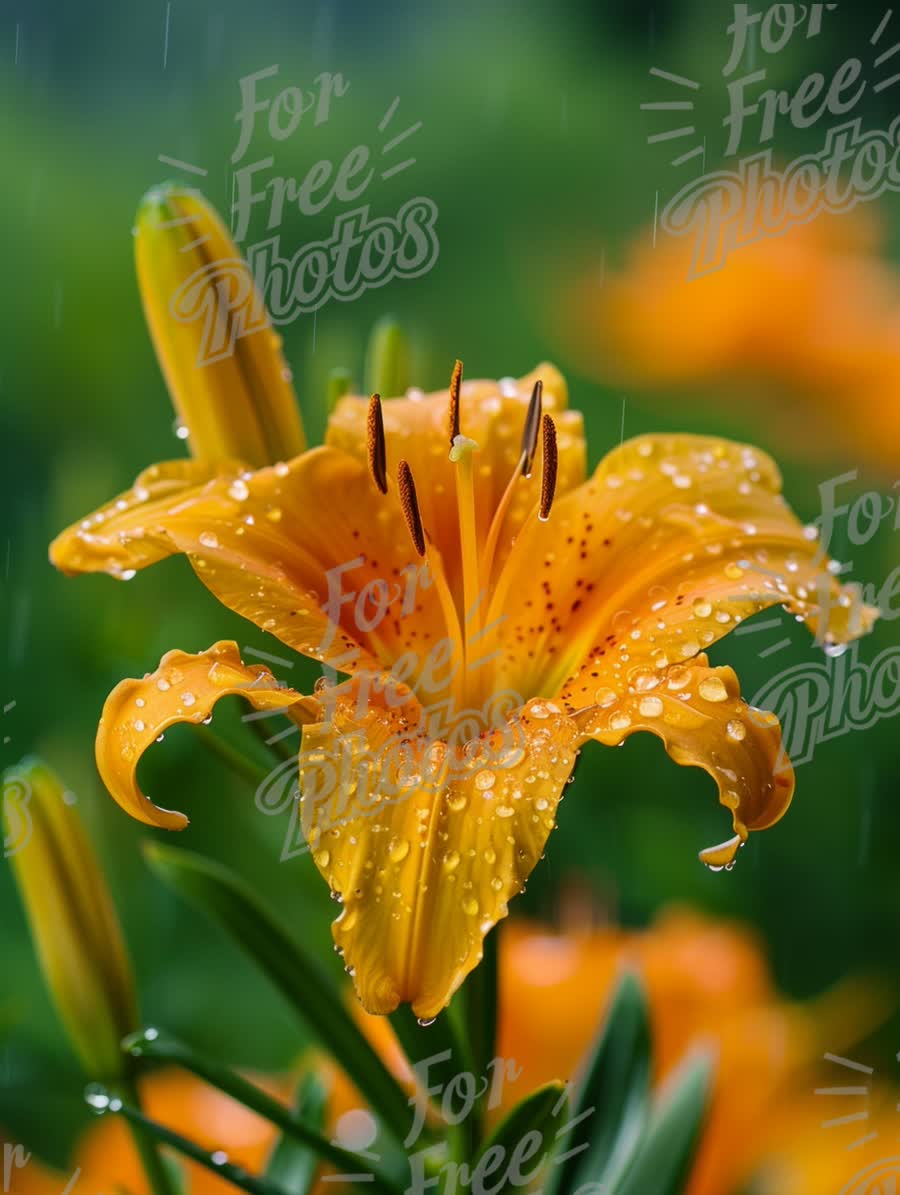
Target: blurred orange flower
{"x":808,"y":320}
{"x":707,"y":981}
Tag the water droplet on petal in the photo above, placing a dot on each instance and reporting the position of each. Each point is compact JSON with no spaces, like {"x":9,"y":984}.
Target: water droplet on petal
{"x":711,"y":688}
{"x":398,"y":850}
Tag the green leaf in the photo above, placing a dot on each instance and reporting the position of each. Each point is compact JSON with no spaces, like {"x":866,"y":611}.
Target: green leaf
{"x":613,"y":1099}
{"x":293,"y":1165}
{"x":480,"y":1005}
{"x":299,"y":975}
{"x":387,"y":359}
{"x":663,"y":1160}
{"x":99,"y":1098}
{"x":526,"y":1135}
{"x":152,"y":1043}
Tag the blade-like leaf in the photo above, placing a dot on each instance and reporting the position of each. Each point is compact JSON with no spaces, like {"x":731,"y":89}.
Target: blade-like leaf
{"x":152,"y":1043}
{"x":664,"y":1157}
{"x":292,"y":1165}
{"x":299,"y":975}
{"x":613,"y":1099}
{"x":523,"y":1138}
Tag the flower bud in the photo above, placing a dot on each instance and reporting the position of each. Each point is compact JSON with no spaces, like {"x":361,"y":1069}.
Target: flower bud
{"x":219,"y":354}
{"x":73,"y":923}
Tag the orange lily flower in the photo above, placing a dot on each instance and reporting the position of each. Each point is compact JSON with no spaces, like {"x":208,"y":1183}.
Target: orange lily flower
{"x":494,"y":611}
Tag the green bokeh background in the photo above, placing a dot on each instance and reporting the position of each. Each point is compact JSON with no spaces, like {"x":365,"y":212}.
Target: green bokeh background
{"x":534,"y":148}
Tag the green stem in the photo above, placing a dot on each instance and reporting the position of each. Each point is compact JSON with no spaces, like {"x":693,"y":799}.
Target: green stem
{"x":169,"y":1049}
{"x":158,"y":1176}
{"x":245,"y":767}
{"x":143,"y":1127}
{"x":282,"y":748}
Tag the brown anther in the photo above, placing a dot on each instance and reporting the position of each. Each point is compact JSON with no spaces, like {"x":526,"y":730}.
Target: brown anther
{"x":455,"y":382}
{"x":550,"y":465}
{"x":532,"y":427}
{"x":410,"y":504}
{"x":375,"y":443}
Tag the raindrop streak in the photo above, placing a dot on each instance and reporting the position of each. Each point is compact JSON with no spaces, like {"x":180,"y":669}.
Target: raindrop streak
{"x":166,"y":41}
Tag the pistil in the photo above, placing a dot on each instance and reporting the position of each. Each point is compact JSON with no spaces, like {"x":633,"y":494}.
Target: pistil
{"x":461,"y":450}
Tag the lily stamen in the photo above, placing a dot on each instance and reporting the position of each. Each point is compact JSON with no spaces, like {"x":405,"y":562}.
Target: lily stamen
{"x":410,"y":505}
{"x":377,"y":451}
{"x":522,"y":469}
{"x":455,"y":383}
{"x":550,"y":468}
{"x":532,"y":427}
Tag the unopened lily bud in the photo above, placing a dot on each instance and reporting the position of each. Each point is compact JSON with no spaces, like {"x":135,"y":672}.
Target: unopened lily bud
{"x":218,"y":352}
{"x":74,"y":926}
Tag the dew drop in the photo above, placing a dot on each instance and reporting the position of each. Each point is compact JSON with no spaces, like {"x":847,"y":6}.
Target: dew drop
{"x":711,"y":688}
{"x":398,"y":850}
{"x":834,"y":650}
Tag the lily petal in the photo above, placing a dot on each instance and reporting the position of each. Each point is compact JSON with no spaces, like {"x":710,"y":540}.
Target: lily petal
{"x":124,"y":534}
{"x":275,"y":547}
{"x":493,"y":415}
{"x":425,"y":842}
{"x":674,"y":541}
{"x":698,"y":713}
{"x":184,"y":688}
